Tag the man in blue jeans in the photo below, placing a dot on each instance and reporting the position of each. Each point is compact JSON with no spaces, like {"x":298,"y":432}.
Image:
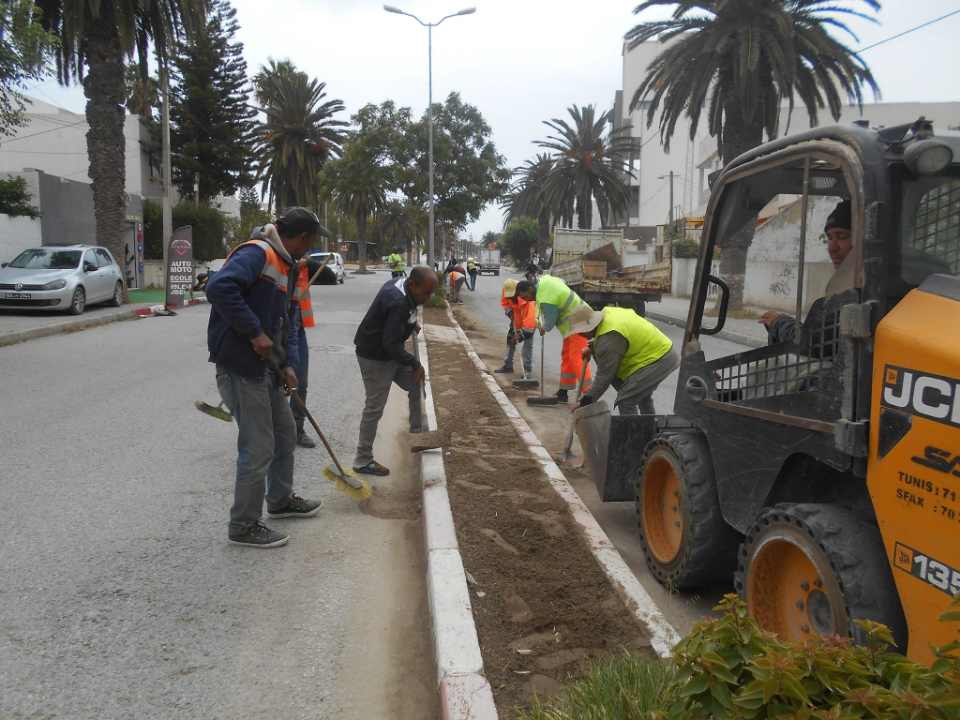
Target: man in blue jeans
{"x":252,"y":338}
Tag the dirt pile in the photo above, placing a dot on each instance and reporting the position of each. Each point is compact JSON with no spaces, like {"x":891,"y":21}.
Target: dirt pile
{"x":543,"y":606}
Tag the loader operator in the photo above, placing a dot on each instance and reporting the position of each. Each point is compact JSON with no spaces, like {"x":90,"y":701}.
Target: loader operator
{"x":631,"y":353}
{"x":782,"y":328}
{"x":555,"y":303}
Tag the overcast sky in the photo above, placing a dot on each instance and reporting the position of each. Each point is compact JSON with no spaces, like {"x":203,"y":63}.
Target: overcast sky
{"x":523,"y":61}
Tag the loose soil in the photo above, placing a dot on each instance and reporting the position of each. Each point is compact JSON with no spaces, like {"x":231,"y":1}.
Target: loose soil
{"x":543,"y":607}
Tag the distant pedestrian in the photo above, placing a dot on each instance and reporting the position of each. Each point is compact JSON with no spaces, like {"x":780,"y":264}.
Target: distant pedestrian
{"x":472,"y":271}
{"x":398,"y":268}
{"x":252,"y":338}
{"x":456,"y":280}
{"x":383,"y":360}
{"x":523,"y":324}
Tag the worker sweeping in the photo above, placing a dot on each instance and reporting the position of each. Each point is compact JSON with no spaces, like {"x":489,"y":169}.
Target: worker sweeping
{"x":523,"y":324}
{"x":555,"y":304}
{"x":631,"y":353}
{"x":472,"y":270}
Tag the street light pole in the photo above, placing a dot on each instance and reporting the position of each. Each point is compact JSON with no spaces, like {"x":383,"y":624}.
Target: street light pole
{"x":430,"y":26}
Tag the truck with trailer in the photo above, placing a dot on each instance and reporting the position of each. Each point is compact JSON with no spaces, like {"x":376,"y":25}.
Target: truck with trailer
{"x":592,"y":263}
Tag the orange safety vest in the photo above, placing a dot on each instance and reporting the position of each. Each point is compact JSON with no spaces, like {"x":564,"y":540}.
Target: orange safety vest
{"x":275,"y":269}
{"x":302,"y":296}
{"x":524,"y":314}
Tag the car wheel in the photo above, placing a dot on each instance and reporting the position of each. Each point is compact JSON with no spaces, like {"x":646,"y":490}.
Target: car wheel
{"x":78,"y":302}
{"x":342,"y":278}
{"x":117,"y":299}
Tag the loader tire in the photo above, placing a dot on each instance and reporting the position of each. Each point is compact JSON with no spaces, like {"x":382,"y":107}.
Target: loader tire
{"x":686,"y":541}
{"x":815,"y":568}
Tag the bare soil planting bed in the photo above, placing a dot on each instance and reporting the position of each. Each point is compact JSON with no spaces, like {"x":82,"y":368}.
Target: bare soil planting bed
{"x":543,"y":607}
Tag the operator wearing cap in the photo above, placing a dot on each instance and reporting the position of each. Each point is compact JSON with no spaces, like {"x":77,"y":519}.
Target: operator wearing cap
{"x":631,"y":354}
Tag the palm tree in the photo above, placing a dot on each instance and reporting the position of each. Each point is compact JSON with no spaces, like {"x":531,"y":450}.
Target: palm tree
{"x":358,"y":182}
{"x":95,"y":37}
{"x":741,"y":60}
{"x":527,"y":198}
{"x":590,"y":163}
{"x":298,"y":136}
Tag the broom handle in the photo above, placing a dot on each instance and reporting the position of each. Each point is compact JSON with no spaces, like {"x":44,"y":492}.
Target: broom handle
{"x":303,"y":408}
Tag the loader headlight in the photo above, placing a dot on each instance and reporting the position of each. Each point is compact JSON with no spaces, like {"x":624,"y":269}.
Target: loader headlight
{"x":927,"y":157}
{"x":55,"y":285}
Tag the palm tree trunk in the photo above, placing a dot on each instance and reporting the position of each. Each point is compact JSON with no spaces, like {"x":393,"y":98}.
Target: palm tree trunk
{"x":543,"y":236}
{"x":103,"y":87}
{"x":584,"y":211}
{"x":362,"y":240}
{"x":739,"y":136}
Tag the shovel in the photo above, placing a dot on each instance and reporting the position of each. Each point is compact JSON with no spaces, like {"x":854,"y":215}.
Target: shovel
{"x":568,"y":443}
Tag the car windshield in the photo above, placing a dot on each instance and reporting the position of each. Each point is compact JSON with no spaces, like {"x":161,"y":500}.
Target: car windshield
{"x":320,"y":257}
{"x":43,"y":259}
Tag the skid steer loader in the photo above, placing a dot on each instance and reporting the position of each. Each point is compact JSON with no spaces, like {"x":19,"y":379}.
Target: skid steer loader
{"x":821,"y":473}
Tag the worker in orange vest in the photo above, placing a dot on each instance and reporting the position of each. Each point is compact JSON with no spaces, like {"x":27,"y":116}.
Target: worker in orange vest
{"x":301,"y":364}
{"x":523,"y":324}
{"x":457,"y":279}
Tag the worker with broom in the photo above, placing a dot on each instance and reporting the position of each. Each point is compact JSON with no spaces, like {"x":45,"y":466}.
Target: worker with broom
{"x":252,"y":339}
{"x":555,"y":303}
{"x":383,"y":360}
{"x":303,"y":317}
{"x":523,"y":324}
{"x":632,"y":354}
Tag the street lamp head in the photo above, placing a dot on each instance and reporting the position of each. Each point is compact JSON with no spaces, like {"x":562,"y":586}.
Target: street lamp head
{"x":467,"y":11}
{"x":392,"y":9}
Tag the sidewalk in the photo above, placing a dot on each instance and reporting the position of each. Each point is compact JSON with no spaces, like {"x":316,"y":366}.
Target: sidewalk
{"x":673,"y":310}
{"x":16,"y":327}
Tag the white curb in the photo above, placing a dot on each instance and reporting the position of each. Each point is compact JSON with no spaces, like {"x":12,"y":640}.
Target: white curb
{"x":663,"y":636}
{"x":465,"y":693}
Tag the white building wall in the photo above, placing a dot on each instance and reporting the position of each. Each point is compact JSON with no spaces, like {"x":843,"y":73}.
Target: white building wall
{"x":16,"y":235}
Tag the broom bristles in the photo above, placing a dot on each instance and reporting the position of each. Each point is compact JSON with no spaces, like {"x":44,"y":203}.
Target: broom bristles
{"x":349,"y":484}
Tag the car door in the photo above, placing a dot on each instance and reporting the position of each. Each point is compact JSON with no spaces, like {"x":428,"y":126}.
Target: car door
{"x":110,"y":271}
{"x":92,"y":277}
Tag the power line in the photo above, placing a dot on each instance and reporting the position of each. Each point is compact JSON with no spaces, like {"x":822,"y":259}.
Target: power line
{"x":43,"y":132}
{"x":907,"y":32}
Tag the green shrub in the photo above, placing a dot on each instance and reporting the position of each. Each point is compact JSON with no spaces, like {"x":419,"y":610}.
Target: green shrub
{"x":630,"y":687}
{"x":686,"y":249}
{"x":438,"y":299}
{"x":729,"y":668}
{"x":207,"y":223}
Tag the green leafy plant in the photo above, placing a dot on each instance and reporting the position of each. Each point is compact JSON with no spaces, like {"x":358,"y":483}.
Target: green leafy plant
{"x":207,"y":223}
{"x":15,"y":198}
{"x":730,"y":668}
{"x":685,"y":248}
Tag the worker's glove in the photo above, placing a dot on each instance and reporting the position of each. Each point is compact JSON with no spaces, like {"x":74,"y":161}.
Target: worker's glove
{"x":586,"y":400}
{"x":527,"y":334}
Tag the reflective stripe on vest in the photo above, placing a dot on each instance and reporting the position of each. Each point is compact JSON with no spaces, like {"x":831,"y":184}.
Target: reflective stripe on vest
{"x":275,"y":268}
{"x":302,"y":295}
{"x":645,"y":343}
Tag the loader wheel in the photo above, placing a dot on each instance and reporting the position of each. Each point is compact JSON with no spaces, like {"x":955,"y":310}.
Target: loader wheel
{"x":809,"y":569}
{"x":685,"y":539}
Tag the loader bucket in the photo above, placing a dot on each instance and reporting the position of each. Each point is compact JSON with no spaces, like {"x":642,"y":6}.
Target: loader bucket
{"x":612,"y":448}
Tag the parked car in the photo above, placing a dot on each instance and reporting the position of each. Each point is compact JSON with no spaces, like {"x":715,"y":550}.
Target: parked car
{"x":335,"y":264}
{"x":60,"y":277}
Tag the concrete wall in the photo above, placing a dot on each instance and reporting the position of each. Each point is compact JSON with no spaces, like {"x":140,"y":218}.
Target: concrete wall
{"x":17,"y":234}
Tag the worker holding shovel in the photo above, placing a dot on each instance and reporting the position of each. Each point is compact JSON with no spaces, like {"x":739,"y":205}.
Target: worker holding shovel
{"x":252,"y":338}
{"x":523,"y":324}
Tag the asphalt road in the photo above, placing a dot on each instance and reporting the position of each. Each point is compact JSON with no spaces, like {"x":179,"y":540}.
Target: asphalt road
{"x":120,"y":597}
{"x":617,"y":519}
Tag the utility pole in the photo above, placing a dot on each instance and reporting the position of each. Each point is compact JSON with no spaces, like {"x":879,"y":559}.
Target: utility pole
{"x":670,"y":176}
{"x":167,"y":208}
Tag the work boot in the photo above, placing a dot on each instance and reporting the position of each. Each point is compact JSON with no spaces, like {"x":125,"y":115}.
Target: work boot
{"x":562,"y":395}
{"x":304,"y":440}
{"x":505,"y":370}
{"x":296,"y":507}
{"x":258,"y":536}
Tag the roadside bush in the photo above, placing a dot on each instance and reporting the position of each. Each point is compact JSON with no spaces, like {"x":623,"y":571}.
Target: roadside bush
{"x":208,"y":230}
{"x":686,"y":249}
{"x":729,"y":668}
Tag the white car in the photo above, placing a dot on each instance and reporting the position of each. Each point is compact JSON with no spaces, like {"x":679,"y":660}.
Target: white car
{"x":335,"y":264}
{"x":61,"y":277}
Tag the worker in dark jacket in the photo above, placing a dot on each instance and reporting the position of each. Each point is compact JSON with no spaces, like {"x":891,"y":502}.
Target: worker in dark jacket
{"x":390,"y":320}
{"x":252,"y":338}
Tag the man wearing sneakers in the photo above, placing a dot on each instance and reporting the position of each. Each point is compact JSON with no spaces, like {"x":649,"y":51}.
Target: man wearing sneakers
{"x":383,"y":360}
{"x":252,"y":338}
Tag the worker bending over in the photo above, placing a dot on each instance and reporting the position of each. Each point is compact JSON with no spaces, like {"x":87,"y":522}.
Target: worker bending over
{"x":631,"y":354}
{"x":456,"y":279}
{"x":523,"y":323}
{"x":555,"y":303}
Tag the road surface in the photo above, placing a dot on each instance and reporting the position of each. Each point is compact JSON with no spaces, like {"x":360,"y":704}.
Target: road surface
{"x":617,"y":519}
{"x":120,"y":595}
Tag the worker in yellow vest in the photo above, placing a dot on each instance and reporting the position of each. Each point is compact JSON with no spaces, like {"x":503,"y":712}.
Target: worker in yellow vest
{"x":631,"y":354}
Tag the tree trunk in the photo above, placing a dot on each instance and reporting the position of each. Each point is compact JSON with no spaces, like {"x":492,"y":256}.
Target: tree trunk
{"x":543,"y":236}
{"x":103,"y":87}
{"x":584,"y":211}
{"x":362,"y":241}
{"x":738,"y":137}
